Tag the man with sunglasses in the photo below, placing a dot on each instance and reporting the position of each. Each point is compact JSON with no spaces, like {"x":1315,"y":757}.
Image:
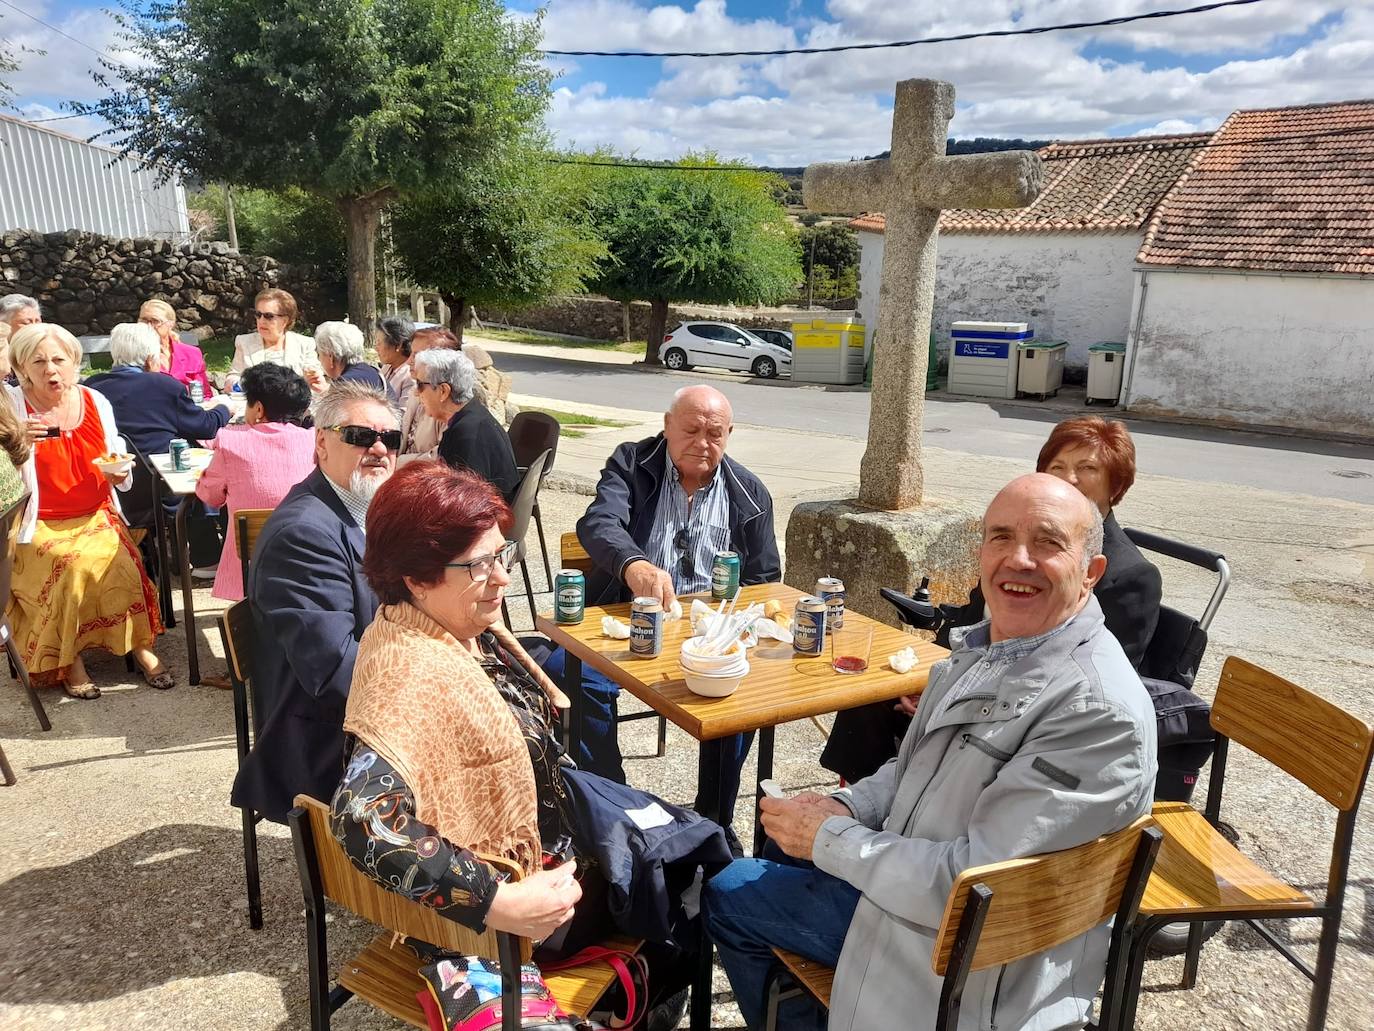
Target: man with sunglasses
{"x":663,"y":508}
{"x":311,"y":602}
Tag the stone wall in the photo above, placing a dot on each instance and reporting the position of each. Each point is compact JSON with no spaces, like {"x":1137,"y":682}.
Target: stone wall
{"x":88,"y":283}
{"x":600,"y":318}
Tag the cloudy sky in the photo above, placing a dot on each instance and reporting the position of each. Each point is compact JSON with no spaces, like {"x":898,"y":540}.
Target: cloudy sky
{"x":1169,"y":75}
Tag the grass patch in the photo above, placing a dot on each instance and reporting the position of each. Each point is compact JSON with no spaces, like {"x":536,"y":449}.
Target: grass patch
{"x":573,"y":424}
{"x":528,"y":336}
{"x":219,"y":352}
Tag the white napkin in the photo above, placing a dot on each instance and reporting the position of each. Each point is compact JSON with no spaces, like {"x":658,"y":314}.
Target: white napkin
{"x":770,"y":628}
{"x":903,"y":661}
{"x":699,"y":613}
{"x":674,"y":612}
{"x":614,"y":628}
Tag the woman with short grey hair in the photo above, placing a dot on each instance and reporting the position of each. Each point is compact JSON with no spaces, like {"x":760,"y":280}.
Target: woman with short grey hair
{"x":340,"y":346}
{"x":391,"y":339}
{"x":19,"y":310}
{"x":445,"y":382}
{"x":136,"y":344}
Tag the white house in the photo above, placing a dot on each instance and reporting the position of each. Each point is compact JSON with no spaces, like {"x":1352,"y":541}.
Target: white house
{"x":1254,"y":301}
{"x":1065,"y":264}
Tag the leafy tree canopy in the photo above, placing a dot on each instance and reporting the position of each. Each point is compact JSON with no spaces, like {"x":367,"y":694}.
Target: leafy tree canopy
{"x":832,"y":245}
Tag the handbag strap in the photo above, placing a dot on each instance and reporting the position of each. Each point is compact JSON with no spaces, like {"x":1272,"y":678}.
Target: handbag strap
{"x":620,"y":960}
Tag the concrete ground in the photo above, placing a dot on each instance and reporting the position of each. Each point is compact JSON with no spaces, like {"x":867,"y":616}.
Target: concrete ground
{"x":121,"y":892}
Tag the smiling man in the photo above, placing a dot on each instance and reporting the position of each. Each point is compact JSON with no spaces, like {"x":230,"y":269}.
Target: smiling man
{"x":311,"y":602}
{"x":1035,"y":735}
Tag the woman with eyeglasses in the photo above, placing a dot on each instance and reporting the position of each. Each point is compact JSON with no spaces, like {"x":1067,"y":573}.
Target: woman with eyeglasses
{"x":185,"y":363}
{"x":445,"y":382}
{"x":274,"y":313}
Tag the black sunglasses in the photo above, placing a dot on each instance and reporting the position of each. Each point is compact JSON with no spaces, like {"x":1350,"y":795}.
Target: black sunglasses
{"x":268,"y":315}
{"x":681,"y":541}
{"x":366,"y":436}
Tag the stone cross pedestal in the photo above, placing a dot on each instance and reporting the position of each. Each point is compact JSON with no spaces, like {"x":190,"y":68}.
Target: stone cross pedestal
{"x":893,"y":535}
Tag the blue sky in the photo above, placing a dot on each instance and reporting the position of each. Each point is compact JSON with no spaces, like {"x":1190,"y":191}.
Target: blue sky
{"x":1172,"y":75}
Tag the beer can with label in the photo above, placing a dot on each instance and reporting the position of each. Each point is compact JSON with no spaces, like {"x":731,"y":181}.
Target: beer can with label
{"x":646,"y":627}
{"x":569,"y":596}
{"x":178,"y":450}
{"x":831,"y":590}
{"x":808,"y":626}
{"x":724,"y":575}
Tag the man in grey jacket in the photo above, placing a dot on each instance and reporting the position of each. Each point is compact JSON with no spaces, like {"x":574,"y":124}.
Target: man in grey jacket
{"x":1035,"y":735}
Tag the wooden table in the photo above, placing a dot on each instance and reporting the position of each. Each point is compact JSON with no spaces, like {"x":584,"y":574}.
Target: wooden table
{"x":779,"y":688}
{"x":182,"y":484}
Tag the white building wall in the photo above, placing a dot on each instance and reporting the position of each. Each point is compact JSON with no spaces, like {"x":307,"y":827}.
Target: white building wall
{"x":1068,"y":286}
{"x":1273,"y":350}
{"x":51,"y":182}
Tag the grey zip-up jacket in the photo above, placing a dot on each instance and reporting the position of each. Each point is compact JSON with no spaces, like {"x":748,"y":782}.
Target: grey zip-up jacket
{"x":1056,"y":751}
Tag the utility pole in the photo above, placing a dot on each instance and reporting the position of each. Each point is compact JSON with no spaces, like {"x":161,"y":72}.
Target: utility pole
{"x":811,"y":269}
{"x":229,"y":218}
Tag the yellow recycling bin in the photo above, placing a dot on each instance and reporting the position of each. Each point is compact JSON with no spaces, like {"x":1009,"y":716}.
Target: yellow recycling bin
{"x":828,"y":350}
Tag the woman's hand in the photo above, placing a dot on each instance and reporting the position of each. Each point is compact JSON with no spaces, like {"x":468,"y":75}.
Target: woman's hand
{"x":538,"y":905}
{"x":35,"y":428}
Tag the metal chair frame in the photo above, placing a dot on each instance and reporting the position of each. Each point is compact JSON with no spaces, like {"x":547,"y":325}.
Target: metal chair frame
{"x":10,"y":521}
{"x":522,"y":508}
{"x":239,"y":654}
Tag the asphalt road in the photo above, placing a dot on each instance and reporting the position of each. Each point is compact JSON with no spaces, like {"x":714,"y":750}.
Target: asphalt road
{"x":1268,"y":461}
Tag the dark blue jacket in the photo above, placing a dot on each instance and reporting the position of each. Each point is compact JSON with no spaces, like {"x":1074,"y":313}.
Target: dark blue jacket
{"x":151,"y":408}
{"x":615,"y":529}
{"x":361,"y":372}
{"x":311,"y":605}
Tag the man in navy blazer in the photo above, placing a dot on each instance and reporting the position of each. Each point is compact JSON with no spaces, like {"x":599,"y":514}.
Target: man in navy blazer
{"x":311,"y":603}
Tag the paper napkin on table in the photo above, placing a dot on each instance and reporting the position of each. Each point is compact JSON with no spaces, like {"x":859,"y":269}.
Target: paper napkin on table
{"x":614,"y":628}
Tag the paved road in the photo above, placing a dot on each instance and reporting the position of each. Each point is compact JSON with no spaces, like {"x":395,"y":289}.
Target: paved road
{"x":1271,"y":462}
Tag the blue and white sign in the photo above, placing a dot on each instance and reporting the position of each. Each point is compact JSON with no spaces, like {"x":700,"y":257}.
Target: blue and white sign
{"x":984,"y":357}
{"x":981,"y":349}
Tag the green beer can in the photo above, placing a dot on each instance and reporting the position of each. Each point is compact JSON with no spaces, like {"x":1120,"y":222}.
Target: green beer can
{"x":569,"y":596}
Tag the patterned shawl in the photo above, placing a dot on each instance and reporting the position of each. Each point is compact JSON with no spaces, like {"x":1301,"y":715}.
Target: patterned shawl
{"x":423,"y":702}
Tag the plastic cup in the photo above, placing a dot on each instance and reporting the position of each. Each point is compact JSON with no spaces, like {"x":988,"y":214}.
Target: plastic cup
{"x":849,"y":648}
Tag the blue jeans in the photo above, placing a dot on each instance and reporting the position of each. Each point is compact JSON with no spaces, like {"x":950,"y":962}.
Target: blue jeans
{"x":754,"y":904}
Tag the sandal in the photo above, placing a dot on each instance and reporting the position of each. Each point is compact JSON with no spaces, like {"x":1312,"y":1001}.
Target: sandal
{"x":86,"y":691}
{"x":159,"y":677}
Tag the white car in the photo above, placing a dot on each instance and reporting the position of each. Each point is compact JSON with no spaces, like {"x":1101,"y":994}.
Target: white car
{"x":723,"y":346}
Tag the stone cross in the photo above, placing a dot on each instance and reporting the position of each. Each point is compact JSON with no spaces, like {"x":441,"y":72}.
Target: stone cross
{"x":910,"y":188}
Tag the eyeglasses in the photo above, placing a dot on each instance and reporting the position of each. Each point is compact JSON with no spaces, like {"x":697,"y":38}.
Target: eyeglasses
{"x":681,"y":541}
{"x":267,"y":316}
{"x":480,"y":568}
{"x":366,"y":436}
{"x":153,"y":320}
{"x":420,"y":384}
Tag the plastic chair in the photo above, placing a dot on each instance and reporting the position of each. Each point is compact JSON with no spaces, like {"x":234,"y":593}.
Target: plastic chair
{"x":1034,"y":912}
{"x":521,"y":510}
{"x":531,"y":434}
{"x":1201,"y":877}
{"x":386,"y":972}
{"x":239,"y":634}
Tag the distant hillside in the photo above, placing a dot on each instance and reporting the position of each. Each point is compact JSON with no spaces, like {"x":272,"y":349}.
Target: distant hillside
{"x":977,"y":145}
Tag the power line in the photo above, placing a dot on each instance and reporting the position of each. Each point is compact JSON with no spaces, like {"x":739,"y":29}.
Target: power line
{"x":54,"y":28}
{"x":51,"y":118}
{"x":988,"y":34}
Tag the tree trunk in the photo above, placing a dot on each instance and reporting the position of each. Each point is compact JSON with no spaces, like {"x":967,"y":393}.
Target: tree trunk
{"x":361,"y":215}
{"x":625,"y":321}
{"x":658,"y":325}
{"x":457,"y":314}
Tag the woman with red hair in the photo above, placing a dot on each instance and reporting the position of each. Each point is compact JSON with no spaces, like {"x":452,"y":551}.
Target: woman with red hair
{"x":1097,"y":456}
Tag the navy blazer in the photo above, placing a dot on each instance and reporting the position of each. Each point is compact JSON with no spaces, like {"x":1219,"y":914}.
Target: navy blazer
{"x":615,"y":529}
{"x":311,"y":605}
{"x":151,"y":408}
{"x":361,"y":372}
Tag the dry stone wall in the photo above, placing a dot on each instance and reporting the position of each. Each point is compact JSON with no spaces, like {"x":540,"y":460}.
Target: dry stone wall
{"x":89,"y":283}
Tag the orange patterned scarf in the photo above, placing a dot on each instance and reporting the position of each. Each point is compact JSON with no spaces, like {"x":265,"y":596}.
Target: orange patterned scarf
{"x":424,"y":703}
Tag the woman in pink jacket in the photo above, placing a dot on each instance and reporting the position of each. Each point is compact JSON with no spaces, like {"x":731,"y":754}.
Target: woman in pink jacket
{"x":183,"y":362}
{"x":257,"y":463}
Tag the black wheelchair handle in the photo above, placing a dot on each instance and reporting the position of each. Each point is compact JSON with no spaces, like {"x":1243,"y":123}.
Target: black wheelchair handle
{"x":1190,"y":553}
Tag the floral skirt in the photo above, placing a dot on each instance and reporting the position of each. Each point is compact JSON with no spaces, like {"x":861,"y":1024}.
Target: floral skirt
{"x":79,"y":584}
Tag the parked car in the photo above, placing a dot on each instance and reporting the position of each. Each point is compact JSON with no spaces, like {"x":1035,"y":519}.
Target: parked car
{"x":723,"y":346}
{"x":781,"y":337}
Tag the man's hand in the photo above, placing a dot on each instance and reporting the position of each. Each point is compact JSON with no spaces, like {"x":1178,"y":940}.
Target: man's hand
{"x":792,"y":823}
{"x":907,"y":704}
{"x":646,"y":580}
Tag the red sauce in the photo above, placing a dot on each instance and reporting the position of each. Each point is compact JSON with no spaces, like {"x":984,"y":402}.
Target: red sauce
{"x":850,"y":664}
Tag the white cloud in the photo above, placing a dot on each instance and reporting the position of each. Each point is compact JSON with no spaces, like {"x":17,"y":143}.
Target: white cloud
{"x":63,"y":71}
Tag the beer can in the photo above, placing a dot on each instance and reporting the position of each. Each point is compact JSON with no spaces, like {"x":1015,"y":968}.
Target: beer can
{"x":646,"y":627}
{"x":197,"y":391}
{"x":830,"y":589}
{"x":178,"y":449}
{"x":808,"y":626}
{"x":724,"y":575}
{"x":569,"y":596}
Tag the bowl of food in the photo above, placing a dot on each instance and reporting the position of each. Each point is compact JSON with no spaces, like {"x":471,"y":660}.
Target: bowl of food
{"x":114,"y":463}
{"x":714,"y":685}
{"x":728,"y":661}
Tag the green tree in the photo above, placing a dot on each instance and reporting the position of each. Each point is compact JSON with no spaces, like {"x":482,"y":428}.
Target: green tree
{"x":832,"y":244}
{"x":718,"y":237}
{"x":506,"y":233}
{"x":290,"y":225}
{"x":356,"y":101}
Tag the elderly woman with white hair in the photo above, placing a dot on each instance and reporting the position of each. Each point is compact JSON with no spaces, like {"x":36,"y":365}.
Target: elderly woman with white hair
{"x":340,"y":346}
{"x":445,"y":382}
{"x":78,"y":580}
{"x":18,"y":311}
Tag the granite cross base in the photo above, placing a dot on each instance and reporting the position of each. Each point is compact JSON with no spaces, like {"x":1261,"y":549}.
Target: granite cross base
{"x":870,"y":549}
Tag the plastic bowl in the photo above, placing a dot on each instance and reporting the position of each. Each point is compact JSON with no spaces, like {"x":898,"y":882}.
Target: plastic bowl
{"x":713,"y":686}
{"x":711,"y":663}
{"x":117,"y":468}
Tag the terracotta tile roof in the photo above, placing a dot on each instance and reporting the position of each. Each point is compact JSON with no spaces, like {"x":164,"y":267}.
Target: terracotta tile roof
{"x":1269,"y":193}
{"x":1090,"y":186}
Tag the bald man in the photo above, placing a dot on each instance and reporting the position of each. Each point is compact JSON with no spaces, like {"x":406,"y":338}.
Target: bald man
{"x":1035,"y":735}
{"x":663,"y":508}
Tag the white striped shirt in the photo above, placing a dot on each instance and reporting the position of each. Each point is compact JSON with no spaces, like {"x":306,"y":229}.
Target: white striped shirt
{"x":701,"y":525}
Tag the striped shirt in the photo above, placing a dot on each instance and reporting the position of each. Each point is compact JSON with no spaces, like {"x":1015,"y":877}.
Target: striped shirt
{"x":700,"y":524}
{"x":998,"y":657}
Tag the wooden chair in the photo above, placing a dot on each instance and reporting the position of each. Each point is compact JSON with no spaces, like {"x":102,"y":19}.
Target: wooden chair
{"x":1004,"y":912}
{"x":10,"y":522}
{"x":248,"y":524}
{"x":386,"y":972}
{"x":571,"y":555}
{"x":239,"y":634}
{"x":1201,"y":877}
{"x":531,"y":434}
{"x":521,"y":510}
